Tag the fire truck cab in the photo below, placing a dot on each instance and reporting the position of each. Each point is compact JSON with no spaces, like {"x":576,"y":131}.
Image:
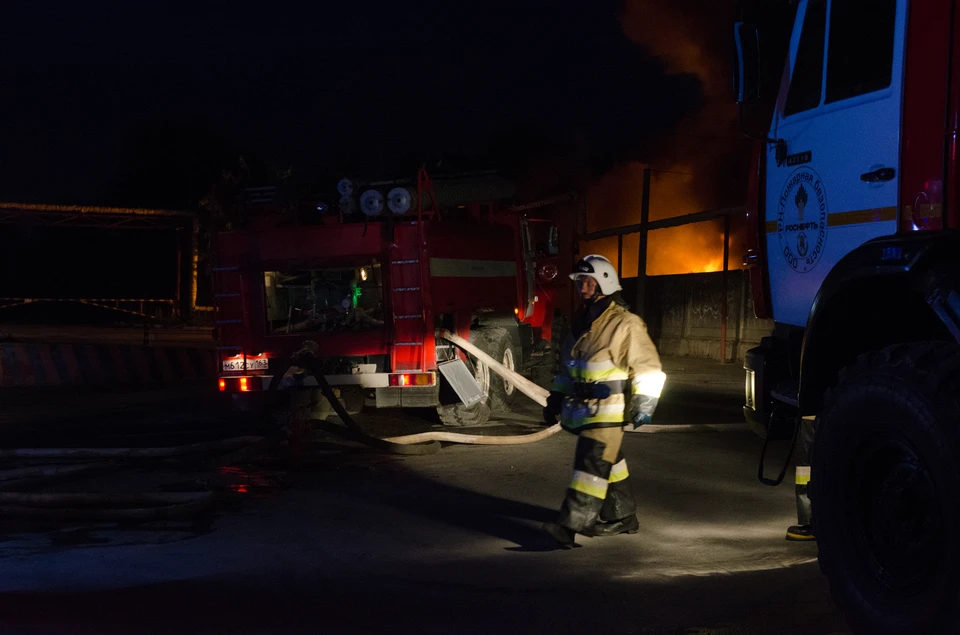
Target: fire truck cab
{"x":853,"y":208}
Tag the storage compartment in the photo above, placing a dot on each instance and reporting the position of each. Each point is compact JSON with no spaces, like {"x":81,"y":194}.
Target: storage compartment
{"x":332,"y":299}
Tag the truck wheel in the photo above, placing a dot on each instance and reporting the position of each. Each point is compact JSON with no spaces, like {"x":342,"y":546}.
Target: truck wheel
{"x":459,"y":416}
{"x":885,"y":486}
{"x":497,"y":343}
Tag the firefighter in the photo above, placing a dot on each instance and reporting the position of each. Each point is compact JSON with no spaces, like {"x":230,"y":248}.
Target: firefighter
{"x":610,"y":381}
{"x":803,"y":530}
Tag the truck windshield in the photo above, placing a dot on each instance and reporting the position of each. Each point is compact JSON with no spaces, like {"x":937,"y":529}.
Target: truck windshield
{"x":323,"y":300}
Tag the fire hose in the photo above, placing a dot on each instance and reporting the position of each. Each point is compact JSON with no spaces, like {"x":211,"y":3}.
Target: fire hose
{"x":423,"y":442}
{"x":308,"y":359}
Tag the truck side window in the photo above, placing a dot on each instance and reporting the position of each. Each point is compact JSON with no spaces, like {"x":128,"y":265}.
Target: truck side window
{"x":860,"y":53}
{"x":807,"y":80}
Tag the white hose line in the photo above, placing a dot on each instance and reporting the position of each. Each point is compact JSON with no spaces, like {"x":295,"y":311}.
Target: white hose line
{"x":521,"y":383}
{"x":477,"y":439}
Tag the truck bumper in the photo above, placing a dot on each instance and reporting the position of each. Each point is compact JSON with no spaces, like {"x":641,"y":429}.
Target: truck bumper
{"x":409,"y":390}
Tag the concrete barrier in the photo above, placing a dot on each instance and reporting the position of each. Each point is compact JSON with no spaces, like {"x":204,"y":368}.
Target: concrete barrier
{"x":684,"y":314}
{"x":35,"y":364}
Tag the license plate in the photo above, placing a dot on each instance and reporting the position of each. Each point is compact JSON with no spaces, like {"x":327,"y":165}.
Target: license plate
{"x":232,"y":365}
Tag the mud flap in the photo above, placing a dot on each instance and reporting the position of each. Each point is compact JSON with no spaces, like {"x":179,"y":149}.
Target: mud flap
{"x":462,"y":381}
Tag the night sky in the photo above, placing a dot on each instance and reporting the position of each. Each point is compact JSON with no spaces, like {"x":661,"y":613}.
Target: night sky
{"x":144,"y":104}
{"x":135,"y":103}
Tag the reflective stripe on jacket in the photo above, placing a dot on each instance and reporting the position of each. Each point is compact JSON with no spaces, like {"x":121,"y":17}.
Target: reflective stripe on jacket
{"x":616,"y":352}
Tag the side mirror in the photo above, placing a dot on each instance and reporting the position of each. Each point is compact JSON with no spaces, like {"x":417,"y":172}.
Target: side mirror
{"x":746,"y":76}
{"x":553,"y":246}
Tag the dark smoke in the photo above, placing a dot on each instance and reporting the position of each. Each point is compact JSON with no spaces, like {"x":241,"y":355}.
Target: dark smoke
{"x":696,"y":37}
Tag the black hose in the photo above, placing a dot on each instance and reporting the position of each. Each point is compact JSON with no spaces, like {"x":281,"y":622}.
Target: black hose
{"x":350,"y":430}
{"x":786,"y":463}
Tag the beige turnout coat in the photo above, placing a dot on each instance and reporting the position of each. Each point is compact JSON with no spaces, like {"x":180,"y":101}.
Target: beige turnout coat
{"x":616,"y":352}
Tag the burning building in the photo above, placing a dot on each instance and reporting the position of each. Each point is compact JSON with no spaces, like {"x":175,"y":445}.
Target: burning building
{"x":698,"y":166}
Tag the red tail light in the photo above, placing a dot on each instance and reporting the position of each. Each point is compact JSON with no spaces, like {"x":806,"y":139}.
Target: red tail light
{"x":223,"y":384}
{"x":756,"y":256}
{"x":412,"y":379}
{"x":244,"y":387}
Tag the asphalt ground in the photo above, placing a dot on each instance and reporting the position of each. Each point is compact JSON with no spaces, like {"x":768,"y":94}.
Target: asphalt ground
{"x":318,"y":535}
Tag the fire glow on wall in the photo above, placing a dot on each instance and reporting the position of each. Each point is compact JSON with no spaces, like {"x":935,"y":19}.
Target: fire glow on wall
{"x":615,"y":201}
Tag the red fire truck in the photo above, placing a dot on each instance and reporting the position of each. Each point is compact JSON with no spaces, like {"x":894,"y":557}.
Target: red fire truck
{"x":854,"y":203}
{"x":372,"y":283}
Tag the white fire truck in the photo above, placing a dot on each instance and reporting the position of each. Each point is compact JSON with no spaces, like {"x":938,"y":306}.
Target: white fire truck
{"x":854,"y":202}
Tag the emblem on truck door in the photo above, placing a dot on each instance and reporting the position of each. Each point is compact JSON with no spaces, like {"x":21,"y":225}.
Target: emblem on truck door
{"x":802,"y":220}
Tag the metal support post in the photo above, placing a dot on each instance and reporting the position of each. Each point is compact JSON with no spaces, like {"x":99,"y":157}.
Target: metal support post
{"x":620,"y":255}
{"x":641,"y":302}
{"x":724,"y":309}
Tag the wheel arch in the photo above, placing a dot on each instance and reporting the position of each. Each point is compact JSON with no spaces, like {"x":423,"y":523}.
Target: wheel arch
{"x":888,"y":291}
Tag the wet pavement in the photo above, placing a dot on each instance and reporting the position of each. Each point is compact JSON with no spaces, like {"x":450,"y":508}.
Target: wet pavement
{"x":327,"y":536}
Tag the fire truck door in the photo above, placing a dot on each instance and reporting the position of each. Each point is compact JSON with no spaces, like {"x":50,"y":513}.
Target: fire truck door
{"x":834,"y":186}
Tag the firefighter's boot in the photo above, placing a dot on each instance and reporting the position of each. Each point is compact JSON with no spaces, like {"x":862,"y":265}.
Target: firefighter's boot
{"x":564,"y":536}
{"x":628,"y":525}
{"x":800,"y":532}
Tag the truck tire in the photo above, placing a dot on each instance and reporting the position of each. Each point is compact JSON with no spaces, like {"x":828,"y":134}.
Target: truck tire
{"x":884,"y":489}
{"x":497,"y":343}
{"x":459,"y":416}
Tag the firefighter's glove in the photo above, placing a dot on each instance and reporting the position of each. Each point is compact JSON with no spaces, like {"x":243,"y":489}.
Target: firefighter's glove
{"x":552,"y":410}
{"x":641,"y":410}
{"x":555,"y":402}
{"x":549,"y":419}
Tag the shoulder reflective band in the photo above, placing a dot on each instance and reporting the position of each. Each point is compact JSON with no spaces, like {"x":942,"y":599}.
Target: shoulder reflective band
{"x":649,"y":384}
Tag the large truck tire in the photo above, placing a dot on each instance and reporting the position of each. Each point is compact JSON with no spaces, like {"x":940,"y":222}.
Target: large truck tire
{"x":885,"y":490}
{"x":459,"y":416}
{"x":497,"y":343}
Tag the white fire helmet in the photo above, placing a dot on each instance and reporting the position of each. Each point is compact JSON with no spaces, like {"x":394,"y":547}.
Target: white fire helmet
{"x":601,"y":270}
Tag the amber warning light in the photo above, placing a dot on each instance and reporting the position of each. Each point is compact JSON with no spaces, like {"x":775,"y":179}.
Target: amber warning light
{"x":240,"y":384}
{"x":411,"y":379}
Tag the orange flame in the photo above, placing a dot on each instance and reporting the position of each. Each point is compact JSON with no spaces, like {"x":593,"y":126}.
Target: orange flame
{"x":615,"y":200}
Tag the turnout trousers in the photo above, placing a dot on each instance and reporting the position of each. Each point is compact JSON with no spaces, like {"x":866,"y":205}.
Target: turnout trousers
{"x":600,"y":489}
{"x":804,"y":456}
